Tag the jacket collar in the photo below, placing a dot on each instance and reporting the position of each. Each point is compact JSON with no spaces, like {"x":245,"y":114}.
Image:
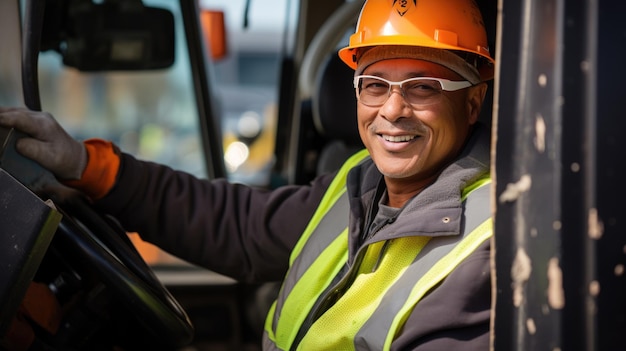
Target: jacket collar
{"x":435,"y":211}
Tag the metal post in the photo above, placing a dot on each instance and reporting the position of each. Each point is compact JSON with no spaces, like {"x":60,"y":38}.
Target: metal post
{"x":559,"y":232}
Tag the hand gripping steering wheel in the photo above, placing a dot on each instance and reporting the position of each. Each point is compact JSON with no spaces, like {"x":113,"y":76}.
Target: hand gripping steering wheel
{"x":96,"y":249}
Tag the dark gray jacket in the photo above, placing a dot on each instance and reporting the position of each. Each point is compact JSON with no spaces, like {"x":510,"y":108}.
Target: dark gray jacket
{"x":248,"y":233}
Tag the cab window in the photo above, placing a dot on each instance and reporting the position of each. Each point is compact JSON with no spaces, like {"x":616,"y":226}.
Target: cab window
{"x":153,"y":115}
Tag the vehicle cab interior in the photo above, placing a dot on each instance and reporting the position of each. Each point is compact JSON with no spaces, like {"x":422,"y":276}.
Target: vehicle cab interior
{"x":253,"y":91}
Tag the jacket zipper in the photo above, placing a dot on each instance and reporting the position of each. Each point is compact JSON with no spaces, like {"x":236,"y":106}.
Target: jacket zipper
{"x":331,"y":296}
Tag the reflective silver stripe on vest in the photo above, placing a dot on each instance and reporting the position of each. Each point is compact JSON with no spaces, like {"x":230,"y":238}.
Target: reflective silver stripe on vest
{"x":268,"y":345}
{"x":374,"y":331}
{"x":323,"y":235}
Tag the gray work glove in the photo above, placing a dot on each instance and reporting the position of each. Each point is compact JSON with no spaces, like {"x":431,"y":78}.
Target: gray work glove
{"x":47,"y":143}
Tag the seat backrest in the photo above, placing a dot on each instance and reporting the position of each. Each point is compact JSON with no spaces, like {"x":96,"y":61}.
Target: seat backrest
{"x":334,"y":113}
{"x":332,"y":97}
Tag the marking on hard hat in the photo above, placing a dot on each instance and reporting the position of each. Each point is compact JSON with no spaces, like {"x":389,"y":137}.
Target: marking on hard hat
{"x":402,"y":6}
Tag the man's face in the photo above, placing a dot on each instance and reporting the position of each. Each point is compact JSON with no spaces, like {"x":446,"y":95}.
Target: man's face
{"x":410,"y":143}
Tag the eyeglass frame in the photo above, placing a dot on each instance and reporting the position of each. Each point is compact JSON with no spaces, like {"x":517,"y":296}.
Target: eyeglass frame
{"x":446,"y":85}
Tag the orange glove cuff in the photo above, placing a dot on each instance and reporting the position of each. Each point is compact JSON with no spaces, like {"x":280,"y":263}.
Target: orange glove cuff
{"x":100,"y":174}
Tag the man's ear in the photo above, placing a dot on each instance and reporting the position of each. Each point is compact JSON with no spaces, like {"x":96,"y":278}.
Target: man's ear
{"x":475,"y":98}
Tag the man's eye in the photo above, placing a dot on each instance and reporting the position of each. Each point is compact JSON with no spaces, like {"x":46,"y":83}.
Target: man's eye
{"x":375,"y":86}
{"x":422,"y":86}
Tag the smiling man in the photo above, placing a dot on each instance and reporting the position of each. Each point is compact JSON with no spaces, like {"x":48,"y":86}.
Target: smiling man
{"x":412,"y":134}
{"x":391,"y":251}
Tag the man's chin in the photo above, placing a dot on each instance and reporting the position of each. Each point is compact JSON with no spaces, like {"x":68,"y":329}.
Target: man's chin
{"x":396,"y":171}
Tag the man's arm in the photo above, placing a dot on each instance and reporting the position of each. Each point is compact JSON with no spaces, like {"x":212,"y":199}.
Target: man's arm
{"x":236,"y":230}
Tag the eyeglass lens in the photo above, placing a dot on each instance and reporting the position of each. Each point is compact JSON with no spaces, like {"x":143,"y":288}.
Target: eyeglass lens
{"x":374,"y":91}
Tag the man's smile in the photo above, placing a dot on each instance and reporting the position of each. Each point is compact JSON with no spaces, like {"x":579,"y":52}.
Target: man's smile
{"x":398,"y":138}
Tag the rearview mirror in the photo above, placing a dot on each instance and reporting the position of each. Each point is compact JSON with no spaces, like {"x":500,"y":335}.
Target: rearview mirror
{"x":118,"y":35}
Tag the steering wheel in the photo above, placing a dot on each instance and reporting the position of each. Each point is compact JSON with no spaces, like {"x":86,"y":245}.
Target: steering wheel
{"x":102,"y":249}
{"x":95,"y":248}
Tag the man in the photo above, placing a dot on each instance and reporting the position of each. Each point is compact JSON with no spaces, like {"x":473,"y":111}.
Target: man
{"x":392,"y":251}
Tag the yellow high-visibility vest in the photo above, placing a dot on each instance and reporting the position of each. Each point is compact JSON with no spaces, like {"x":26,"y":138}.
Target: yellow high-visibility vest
{"x":387,"y":285}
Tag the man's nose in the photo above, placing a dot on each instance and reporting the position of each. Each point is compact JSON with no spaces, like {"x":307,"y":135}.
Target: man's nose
{"x":396,"y":105}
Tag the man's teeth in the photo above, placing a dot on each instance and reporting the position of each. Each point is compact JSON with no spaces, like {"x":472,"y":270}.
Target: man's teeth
{"x":399,"y":138}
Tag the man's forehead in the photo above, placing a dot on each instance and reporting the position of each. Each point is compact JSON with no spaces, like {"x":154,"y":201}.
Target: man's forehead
{"x":407,"y":68}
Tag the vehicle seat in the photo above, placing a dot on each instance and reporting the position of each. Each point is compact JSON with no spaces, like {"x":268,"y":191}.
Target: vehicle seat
{"x":334,"y":114}
{"x":331,"y":96}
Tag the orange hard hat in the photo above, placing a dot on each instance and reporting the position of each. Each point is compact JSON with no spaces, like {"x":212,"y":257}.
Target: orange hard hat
{"x":455,"y":25}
